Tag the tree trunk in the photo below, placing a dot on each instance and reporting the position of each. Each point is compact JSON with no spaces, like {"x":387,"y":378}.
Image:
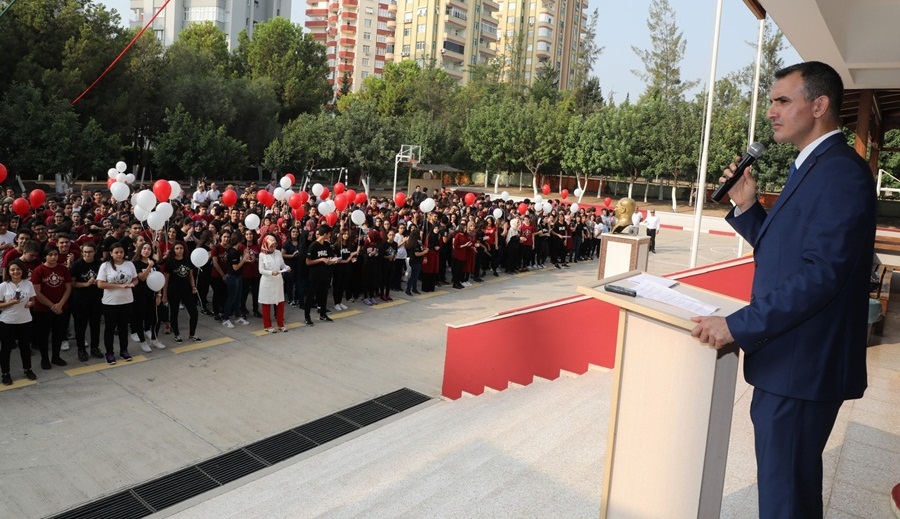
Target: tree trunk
{"x":674,"y":200}
{"x":646,"y":189}
{"x":662,"y":183}
{"x":631,"y":188}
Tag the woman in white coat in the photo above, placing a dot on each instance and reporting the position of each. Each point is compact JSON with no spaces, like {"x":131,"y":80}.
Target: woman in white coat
{"x":271,"y":285}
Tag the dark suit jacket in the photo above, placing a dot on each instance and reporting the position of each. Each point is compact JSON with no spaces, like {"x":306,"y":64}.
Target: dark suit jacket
{"x":804,"y":332}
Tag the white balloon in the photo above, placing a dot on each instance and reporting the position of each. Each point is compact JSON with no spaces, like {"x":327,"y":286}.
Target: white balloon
{"x":165,"y":209}
{"x":504,"y":195}
{"x":285,"y":182}
{"x":573,"y":208}
{"x":121,"y":177}
{"x":119,"y":191}
{"x":548,"y":207}
{"x":538,"y":199}
{"x":121,"y":166}
{"x":317,"y":189}
{"x":325,"y":209}
{"x":156,"y":280}
{"x":176,"y":190}
{"x":199,"y":257}
{"x":578,"y":191}
{"x":498,"y":213}
{"x":133,"y":199}
{"x":427,"y":205}
{"x":538,"y":208}
{"x":140,"y":213}
{"x":358,"y":217}
{"x":331,"y":205}
{"x":156,"y":220}
{"x":279,"y":193}
{"x":146,"y":200}
{"x":112,"y":173}
{"x":252,"y":222}
{"x":129,"y":178}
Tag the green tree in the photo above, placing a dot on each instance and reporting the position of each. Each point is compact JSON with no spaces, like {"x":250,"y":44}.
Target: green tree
{"x":280,"y":51}
{"x":207,"y":41}
{"x":539,"y":131}
{"x":305,"y":143}
{"x":191,"y":148}
{"x":587,"y":53}
{"x":545,"y":85}
{"x":625,"y":143}
{"x":366,"y":140}
{"x":94,"y":152}
{"x":37,"y":134}
{"x":662,"y":62}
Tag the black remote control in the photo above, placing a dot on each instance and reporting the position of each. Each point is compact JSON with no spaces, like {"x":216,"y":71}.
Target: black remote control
{"x":620,"y":290}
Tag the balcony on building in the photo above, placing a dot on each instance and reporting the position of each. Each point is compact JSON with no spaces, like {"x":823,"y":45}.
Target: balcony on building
{"x":332,"y":18}
{"x":490,"y":5}
{"x":350,"y":4}
{"x":449,"y":19}
{"x":392,"y":6}
{"x":348,"y":28}
{"x":334,"y":6}
{"x":345,"y":67}
{"x":455,"y":73}
{"x":542,"y":52}
{"x":316,"y":24}
{"x":349,"y":15}
{"x":488,"y":34}
{"x":347,"y":42}
{"x":347,"y":54}
{"x":390,"y":39}
{"x":392,"y":24}
{"x":487,"y":51}
{"x":452,"y":51}
{"x":459,"y":4}
{"x":316,"y":12}
{"x":389,"y":56}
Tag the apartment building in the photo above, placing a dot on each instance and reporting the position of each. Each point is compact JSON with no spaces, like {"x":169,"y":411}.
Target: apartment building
{"x":230,"y":16}
{"x":357,"y":35}
{"x":542,"y":33}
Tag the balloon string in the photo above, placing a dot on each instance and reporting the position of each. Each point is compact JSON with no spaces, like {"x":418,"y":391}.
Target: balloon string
{"x":127,"y":47}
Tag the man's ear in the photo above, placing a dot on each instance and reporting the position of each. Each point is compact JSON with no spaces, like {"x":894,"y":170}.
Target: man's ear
{"x":820,"y":106}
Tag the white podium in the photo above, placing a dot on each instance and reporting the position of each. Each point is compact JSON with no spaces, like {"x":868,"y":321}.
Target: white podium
{"x":671,"y":408}
{"x":620,"y":253}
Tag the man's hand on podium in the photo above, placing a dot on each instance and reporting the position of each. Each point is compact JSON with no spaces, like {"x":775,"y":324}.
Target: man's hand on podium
{"x":712,"y":331}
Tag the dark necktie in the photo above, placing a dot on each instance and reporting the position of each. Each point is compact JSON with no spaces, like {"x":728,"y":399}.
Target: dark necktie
{"x":791,"y":171}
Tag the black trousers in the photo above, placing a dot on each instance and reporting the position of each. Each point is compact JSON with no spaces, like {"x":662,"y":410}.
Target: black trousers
{"x":317,"y":295}
{"x":143,"y":315}
{"x":186,"y":297}
{"x":116,"y":323}
{"x":249,"y":286}
{"x":220,"y":295}
{"x":652,"y":234}
{"x":49,"y":327}
{"x":12,"y":335}
{"x":86,"y":312}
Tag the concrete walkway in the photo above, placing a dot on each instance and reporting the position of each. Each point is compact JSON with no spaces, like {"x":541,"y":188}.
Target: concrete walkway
{"x":74,"y":437}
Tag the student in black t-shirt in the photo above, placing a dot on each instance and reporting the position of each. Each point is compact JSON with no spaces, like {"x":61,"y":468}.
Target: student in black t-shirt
{"x":319,"y":262}
{"x":86,"y":299}
{"x":181,"y":288}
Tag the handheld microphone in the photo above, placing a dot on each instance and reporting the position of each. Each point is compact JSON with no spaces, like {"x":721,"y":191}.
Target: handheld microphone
{"x":754,"y":151}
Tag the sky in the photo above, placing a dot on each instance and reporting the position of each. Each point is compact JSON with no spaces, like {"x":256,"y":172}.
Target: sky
{"x":623,"y":24}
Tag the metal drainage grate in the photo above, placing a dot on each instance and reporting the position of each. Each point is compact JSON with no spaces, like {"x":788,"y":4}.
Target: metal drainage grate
{"x":148,"y":498}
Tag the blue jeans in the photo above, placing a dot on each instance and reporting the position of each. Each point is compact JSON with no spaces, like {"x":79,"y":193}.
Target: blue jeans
{"x":413,"y":281}
{"x":233,"y":302}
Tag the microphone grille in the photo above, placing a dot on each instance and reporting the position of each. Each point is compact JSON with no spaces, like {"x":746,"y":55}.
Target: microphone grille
{"x":756,"y":150}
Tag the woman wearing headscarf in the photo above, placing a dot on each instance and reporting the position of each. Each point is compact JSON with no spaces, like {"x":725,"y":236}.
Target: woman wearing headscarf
{"x":271,"y":266}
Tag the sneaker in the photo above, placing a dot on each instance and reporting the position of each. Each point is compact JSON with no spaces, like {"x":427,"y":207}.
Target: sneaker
{"x":7,"y":379}
{"x":257,"y":314}
{"x":217,"y":318}
{"x":389,"y":298}
{"x":241,"y":320}
{"x":59,"y":362}
{"x":368,"y":302}
{"x":125,"y":355}
{"x":324,"y":317}
{"x":308,"y":322}
{"x":96,"y":353}
{"x":83,"y":355}
{"x":145,"y":347}
{"x":270,"y":330}
{"x":227,"y":324}
{"x":283,"y":329}
{"x":178,"y":339}
{"x":158,"y":345}
{"x":110,"y":359}
{"x":30,"y":375}
{"x":204,"y":311}
{"x":64,"y":346}
{"x":195,"y":338}
{"x":134,"y":338}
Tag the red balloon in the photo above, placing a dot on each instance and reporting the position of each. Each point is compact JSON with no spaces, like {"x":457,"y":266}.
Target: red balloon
{"x":110,"y":182}
{"x":37,"y":198}
{"x":261,"y":196}
{"x":331,"y":218}
{"x":341,"y":202}
{"x":325,"y":193}
{"x":361,"y":198}
{"x":400,"y":199}
{"x":470,"y":198}
{"x":295,"y":200}
{"x":546,"y":189}
{"x":20,"y":206}
{"x":298,"y":212}
{"x":607,"y":201}
{"x":339,"y":188}
{"x":564,"y":194}
{"x":2,"y":172}
{"x":229,"y":197}
{"x":304,"y":197}
{"x":291,"y":176}
{"x":523,"y":208}
{"x":162,"y":189}
{"x":351,"y":195}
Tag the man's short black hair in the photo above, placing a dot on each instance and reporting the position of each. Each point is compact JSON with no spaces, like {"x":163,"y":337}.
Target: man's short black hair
{"x":819,"y":79}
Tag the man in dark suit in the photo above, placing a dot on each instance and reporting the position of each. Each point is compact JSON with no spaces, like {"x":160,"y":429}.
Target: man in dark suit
{"x":804,"y":332}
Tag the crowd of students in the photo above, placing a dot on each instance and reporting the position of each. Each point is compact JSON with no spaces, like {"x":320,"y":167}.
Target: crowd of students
{"x":81,"y":257}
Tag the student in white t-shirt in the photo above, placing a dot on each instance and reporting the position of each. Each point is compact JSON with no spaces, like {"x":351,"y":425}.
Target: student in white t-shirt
{"x":7,"y":237}
{"x":116,"y":278}
{"x":16,"y":298}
